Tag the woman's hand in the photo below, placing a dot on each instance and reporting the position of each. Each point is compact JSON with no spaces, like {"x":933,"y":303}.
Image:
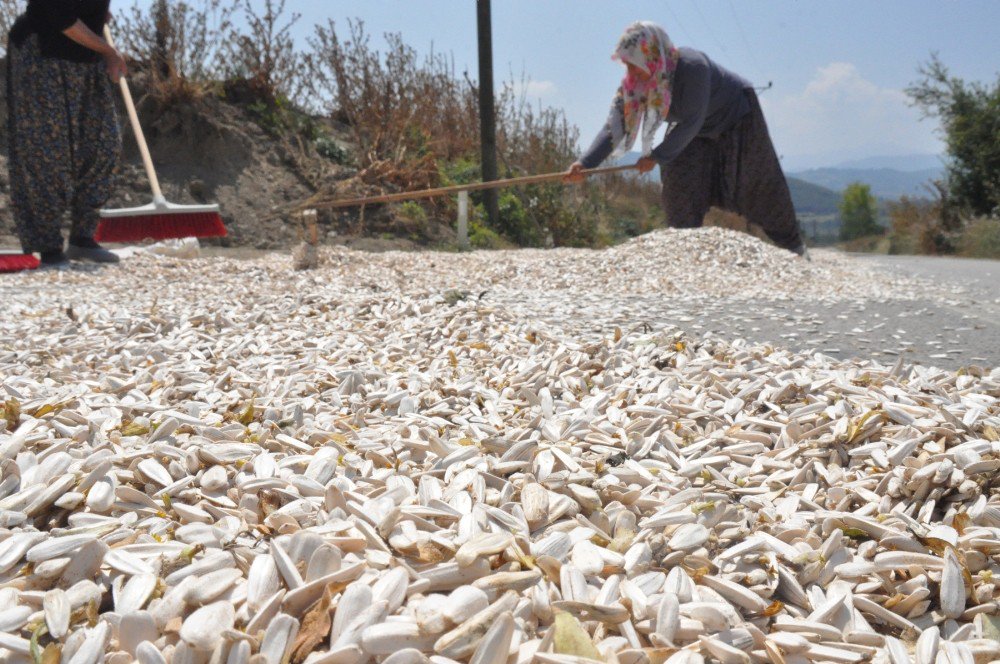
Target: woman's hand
{"x":114,"y":62}
{"x":646,"y":164}
{"x":575,"y":174}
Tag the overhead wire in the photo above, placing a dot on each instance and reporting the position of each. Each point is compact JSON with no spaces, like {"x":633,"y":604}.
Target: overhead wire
{"x":708,"y":28}
{"x":750,"y":50}
{"x":677,"y":20}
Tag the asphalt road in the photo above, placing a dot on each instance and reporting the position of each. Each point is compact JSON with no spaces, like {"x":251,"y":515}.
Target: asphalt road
{"x":959,"y":329}
{"x":969,"y":328}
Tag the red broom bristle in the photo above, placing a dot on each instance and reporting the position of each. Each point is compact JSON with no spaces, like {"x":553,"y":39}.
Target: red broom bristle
{"x":160,"y":227}
{"x":17,"y":262}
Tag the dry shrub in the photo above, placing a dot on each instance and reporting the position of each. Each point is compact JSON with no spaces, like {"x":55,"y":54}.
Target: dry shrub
{"x":262,"y":54}
{"x":922,"y":226}
{"x":190,"y":47}
{"x":531,"y":139}
{"x":397,"y":106}
{"x":980,"y":238}
{"x":181,"y":44}
{"x":421,"y":173}
{"x":914,"y":226}
{"x":404,"y":110}
{"x":612,"y":208}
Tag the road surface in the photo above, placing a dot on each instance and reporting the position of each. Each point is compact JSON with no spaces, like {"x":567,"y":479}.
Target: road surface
{"x":958,"y":329}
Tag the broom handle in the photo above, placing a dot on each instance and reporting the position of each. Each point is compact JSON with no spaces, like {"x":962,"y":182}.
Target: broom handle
{"x":476,"y":186}
{"x":140,"y":139}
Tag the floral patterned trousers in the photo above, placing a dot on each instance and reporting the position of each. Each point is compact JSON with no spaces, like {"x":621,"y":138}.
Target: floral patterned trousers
{"x":64,"y":144}
{"x":738,"y":172}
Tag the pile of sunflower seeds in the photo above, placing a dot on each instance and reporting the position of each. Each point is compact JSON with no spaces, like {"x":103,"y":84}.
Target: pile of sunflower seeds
{"x":703,"y":262}
{"x":225,"y":461}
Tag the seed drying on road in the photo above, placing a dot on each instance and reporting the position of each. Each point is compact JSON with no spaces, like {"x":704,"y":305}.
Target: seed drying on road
{"x":232,"y":461}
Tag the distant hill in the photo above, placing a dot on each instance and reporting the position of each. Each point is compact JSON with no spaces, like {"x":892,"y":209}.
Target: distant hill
{"x":889,"y":183}
{"x":906,"y":162}
{"x":811,"y":198}
{"x":901,"y":162}
{"x":889,"y":177}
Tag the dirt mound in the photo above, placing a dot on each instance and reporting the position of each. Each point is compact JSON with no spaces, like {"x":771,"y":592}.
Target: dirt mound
{"x":215,"y":151}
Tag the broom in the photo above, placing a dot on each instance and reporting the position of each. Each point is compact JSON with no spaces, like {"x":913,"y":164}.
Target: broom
{"x":160,"y":219}
{"x":17,"y":262}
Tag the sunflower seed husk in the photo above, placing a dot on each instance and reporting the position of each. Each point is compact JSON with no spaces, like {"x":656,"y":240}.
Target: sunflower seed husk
{"x":203,"y":629}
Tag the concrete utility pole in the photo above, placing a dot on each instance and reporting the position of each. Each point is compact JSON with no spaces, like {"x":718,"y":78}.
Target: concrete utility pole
{"x":487,"y":114}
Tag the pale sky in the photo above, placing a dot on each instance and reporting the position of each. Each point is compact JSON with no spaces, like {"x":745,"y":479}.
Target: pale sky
{"x":838,"y":67}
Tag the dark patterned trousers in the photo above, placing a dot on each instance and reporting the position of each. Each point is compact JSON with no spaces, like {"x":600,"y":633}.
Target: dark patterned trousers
{"x":64,"y":143}
{"x":738,"y":172}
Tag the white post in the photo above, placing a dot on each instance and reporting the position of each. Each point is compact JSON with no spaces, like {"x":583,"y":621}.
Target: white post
{"x":463,"y":220}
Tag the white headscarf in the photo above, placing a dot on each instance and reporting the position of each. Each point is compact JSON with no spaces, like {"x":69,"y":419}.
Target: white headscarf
{"x":648,"y":47}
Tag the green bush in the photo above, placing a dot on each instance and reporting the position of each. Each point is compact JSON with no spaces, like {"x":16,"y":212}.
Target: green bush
{"x":904,"y":242}
{"x":980,"y":238}
{"x":328,"y":148}
{"x":459,"y":171}
{"x":516,"y":222}
{"x":858,"y":211}
{"x":413,"y":211}
{"x":970,"y":122}
{"x":481,"y":237}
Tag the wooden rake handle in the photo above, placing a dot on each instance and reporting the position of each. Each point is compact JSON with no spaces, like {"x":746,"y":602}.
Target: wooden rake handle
{"x":140,"y":139}
{"x":475,"y":186}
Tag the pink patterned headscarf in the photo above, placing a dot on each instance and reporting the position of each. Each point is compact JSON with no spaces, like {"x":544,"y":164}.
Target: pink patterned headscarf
{"x":648,"y":47}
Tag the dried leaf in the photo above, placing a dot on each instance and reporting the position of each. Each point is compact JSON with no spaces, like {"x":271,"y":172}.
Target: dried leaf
{"x":315,"y":628}
{"x":133,"y":429}
{"x":269,"y":502}
{"x":93,"y":613}
{"x":527,"y":561}
{"x":960,"y":523}
{"x":856,"y":428}
{"x":991,"y":627}
{"x":856,"y":534}
{"x":696,"y":573}
{"x":246,"y":417}
{"x":774,"y":609}
{"x":622,"y":541}
{"x":37,"y":633}
{"x":698,"y":508}
{"x":52,"y":654}
{"x":939,"y":546}
{"x":570,"y":638}
{"x":894,"y":600}
{"x":42,"y":411}
{"x":429,"y":553}
{"x":659,"y":655}
{"x":189,"y":553}
{"x":12,"y":413}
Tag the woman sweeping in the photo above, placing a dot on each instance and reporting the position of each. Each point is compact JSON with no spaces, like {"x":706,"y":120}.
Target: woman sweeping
{"x":63,"y":133}
{"x":717,"y":151}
